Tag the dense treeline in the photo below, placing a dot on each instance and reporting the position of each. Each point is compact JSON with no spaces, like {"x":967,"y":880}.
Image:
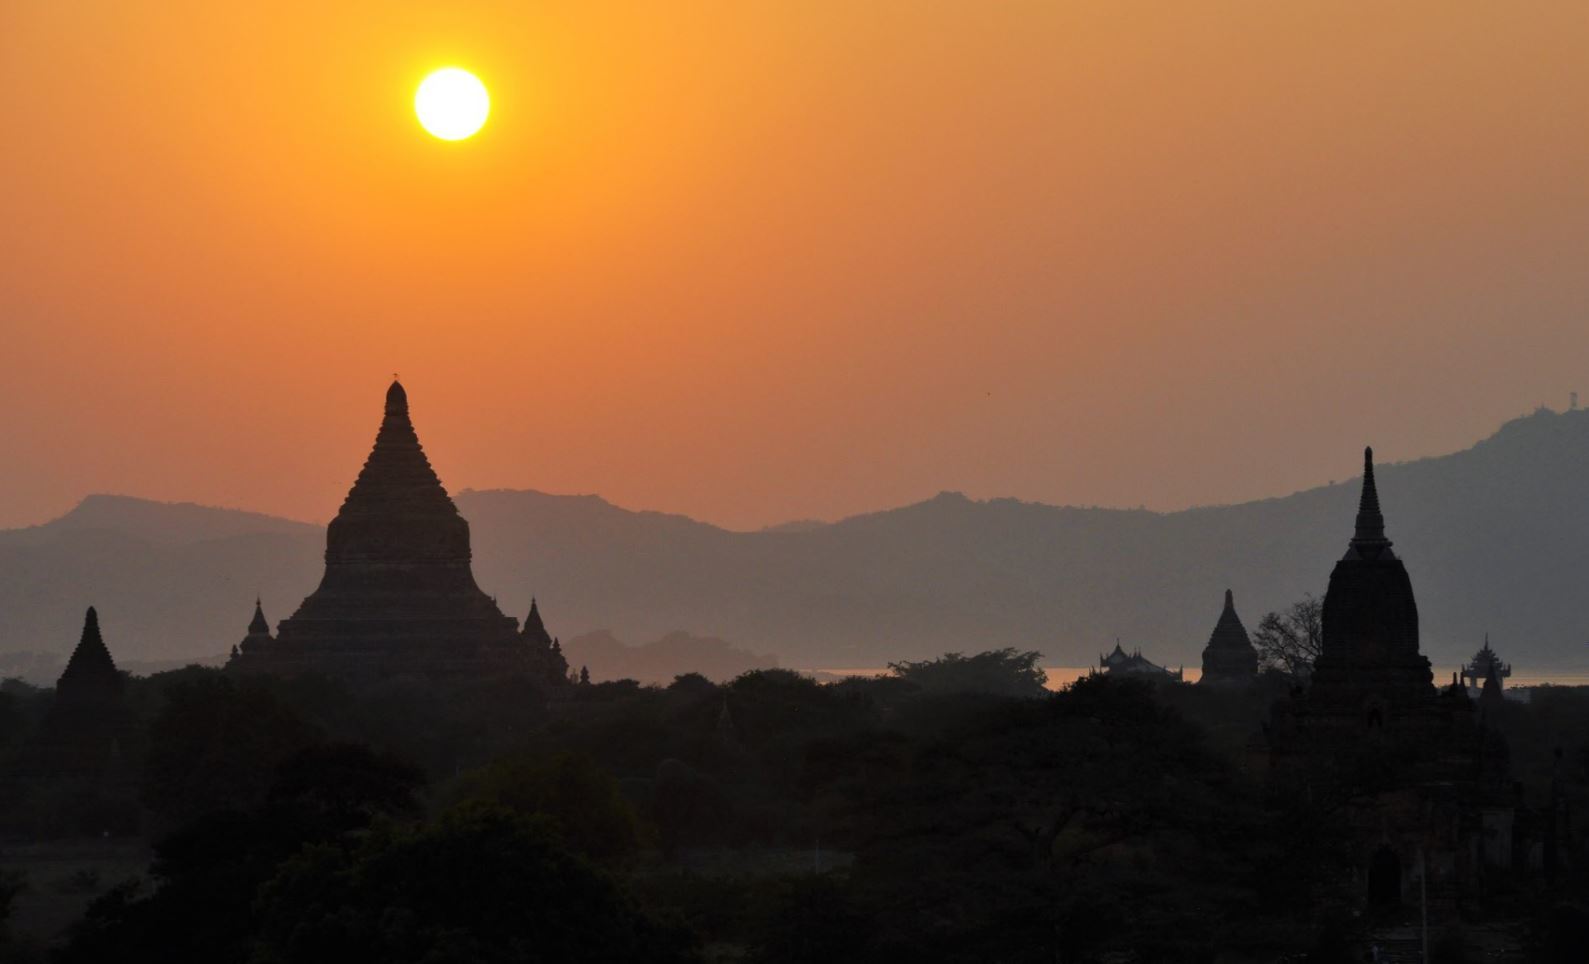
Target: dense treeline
{"x":947,"y":812}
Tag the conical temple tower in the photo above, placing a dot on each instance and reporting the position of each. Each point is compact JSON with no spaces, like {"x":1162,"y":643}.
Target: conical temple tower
{"x":258,"y":639}
{"x":534,"y":630}
{"x":398,"y":595}
{"x":1407,"y":763}
{"x":1370,"y":651}
{"x":90,"y":678}
{"x":83,"y":733}
{"x":1229,"y":656}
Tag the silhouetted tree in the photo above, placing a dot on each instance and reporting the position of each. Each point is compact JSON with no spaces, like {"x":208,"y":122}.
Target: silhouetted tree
{"x":1289,"y":641}
{"x":216,"y":745}
{"x":479,"y":885}
{"x":346,"y":784}
{"x":1000,"y":672}
{"x":580,"y":798}
{"x":207,"y":874}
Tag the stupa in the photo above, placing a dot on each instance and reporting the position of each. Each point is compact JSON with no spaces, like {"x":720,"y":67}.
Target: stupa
{"x":398,"y":596}
{"x":1229,"y":656}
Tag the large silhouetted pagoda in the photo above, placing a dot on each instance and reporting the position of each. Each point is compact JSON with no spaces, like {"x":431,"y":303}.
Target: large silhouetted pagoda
{"x":1421,"y":783}
{"x":1369,"y":658}
{"x":398,"y":595}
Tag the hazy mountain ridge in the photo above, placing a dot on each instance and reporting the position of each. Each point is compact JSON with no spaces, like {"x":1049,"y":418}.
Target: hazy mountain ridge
{"x":1496,"y":537}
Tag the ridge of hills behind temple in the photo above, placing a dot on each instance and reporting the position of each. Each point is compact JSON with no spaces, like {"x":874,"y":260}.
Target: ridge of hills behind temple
{"x":1496,"y":538}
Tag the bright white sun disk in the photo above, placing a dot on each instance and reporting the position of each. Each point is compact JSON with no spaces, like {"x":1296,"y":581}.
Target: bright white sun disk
{"x":452,"y":103}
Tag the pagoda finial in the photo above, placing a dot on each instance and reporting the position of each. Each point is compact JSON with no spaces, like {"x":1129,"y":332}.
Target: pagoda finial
{"x":396,"y":398}
{"x":1370,"y":533}
{"x":1230,"y":599}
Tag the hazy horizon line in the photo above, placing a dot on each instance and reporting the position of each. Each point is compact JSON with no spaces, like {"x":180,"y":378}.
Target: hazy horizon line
{"x":811,"y":521}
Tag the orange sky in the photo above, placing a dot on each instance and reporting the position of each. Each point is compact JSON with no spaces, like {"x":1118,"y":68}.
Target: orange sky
{"x":756,"y":261}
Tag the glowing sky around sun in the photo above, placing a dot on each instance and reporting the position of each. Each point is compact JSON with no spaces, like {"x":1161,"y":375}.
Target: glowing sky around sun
{"x":761,"y":261}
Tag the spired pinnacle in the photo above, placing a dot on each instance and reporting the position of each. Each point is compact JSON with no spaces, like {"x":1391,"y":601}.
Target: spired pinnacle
{"x":1230,"y":601}
{"x":1370,"y":534}
{"x":258,"y":625}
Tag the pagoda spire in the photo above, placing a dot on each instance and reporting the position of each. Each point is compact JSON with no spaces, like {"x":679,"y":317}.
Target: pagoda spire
{"x":90,"y":670}
{"x":258,"y":626}
{"x":1368,"y":541}
{"x":534,"y":628}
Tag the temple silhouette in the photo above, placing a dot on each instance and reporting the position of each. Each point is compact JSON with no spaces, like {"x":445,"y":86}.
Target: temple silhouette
{"x":1229,"y":657}
{"x":85,"y":732}
{"x":1121,"y":663}
{"x":398,"y":596}
{"x":1421,"y":776}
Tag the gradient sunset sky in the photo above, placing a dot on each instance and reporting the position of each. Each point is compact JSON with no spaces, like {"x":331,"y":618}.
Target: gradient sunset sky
{"x":759,"y":261}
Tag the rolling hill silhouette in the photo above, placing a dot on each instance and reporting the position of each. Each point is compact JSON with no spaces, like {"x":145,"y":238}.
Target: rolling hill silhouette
{"x":1496,"y":538}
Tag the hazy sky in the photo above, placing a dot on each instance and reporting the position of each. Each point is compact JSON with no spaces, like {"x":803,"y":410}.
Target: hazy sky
{"x":757,"y":261}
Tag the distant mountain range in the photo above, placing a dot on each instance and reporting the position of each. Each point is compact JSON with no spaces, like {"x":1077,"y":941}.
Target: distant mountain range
{"x":1496,"y":538}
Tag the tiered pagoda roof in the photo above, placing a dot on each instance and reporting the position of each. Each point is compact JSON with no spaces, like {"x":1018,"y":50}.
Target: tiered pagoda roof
{"x":1133,"y":663}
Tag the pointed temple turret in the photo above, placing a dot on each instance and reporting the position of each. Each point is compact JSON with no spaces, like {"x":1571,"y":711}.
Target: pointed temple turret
{"x":534,"y":630}
{"x":1370,"y":646}
{"x":90,"y":675}
{"x":1229,"y":656}
{"x":83,"y":732}
{"x":398,"y":595}
{"x":258,"y":626}
{"x":1368,"y":541}
{"x":258,"y":638}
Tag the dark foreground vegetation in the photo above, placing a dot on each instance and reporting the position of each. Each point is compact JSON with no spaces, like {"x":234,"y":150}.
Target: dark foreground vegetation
{"x":949,"y":812}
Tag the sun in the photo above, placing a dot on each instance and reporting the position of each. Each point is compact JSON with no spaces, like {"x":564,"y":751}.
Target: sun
{"x":452,"y":103}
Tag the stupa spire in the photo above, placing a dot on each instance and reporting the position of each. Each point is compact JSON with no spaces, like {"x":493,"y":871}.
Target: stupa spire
{"x":1369,"y":538}
{"x":396,"y":398}
{"x":534,"y":627}
{"x":258,"y":626}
